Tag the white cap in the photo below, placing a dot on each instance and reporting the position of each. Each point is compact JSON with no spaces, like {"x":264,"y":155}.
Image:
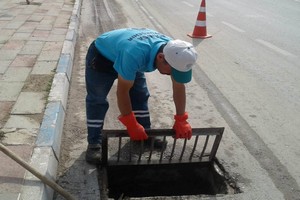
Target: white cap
{"x":181,"y":56}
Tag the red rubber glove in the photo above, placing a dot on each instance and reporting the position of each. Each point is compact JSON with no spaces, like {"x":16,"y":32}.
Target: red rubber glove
{"x":134,"y":129}
{"x":181,"y":127}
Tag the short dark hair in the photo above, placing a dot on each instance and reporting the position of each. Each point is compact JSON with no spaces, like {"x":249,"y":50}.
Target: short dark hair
{"x":160,"y":50}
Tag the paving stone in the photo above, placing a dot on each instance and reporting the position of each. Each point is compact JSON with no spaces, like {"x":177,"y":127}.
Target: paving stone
{"x":7,"y":32}
{"x":55,"y":37}
{"x":22,"y":17}
{"x":15,"y":11}
{"x":21,"y":36}
{"x":31,"y":48}
{"x":5,"y":107}
{"x":35,"y":18}
{"x":24,"y":61}
{"x":30,"y":9}
{"x":30,"y":103}
{"x":8,"y":54}
{"x":7,"y":17}
{"x":9,"y":91}
{"x":67,"y":9}
{"x":44,"y":67}
{"x":33,"y":42}
{"x":49,"y":55}
{"x":61,"y":23}
{"x":28,"y":27}
{"x":11,"y":172}
{"x":45,"y":27}
{"x":59,"y":31}
{"x":18,"y":121}
{"x":3,"y":39}
{"x":14,"y":25}
{"x":40,"y":35}
{"x":53,"y":12}
{"x":10,"y":196}
{"x":52,"y":46}
{"x":8,"y":130}
{"x":16,"y":74}
{"x":13,"y":45}
{"x":48,"y":20}
{"x":42,"y":10}
{"x":4,"y":65}
{"x":20,"y":136}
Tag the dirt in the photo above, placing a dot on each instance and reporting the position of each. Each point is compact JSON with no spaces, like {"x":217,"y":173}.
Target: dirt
{"x":2,"y":135}
{"x":73,"y":171}
{"x":75,"y":132}
{"x":38,"y":83}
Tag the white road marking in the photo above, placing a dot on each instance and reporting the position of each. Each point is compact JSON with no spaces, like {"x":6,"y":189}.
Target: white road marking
{"x":188,"y":4}
{"x":274,"y":48}
{"x":233,"y":27}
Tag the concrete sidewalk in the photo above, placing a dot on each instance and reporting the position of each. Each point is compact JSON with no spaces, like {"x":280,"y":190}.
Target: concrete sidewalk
{"x":37,"y":42}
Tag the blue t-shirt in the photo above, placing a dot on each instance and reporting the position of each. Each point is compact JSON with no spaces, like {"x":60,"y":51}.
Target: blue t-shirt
{"x":131,"y":49}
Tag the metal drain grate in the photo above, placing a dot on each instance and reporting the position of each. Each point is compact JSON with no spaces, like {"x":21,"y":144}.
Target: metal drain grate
{"x":118,"y":149}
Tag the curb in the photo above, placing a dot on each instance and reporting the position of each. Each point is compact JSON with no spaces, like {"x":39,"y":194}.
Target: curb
{"x":46,"y":153}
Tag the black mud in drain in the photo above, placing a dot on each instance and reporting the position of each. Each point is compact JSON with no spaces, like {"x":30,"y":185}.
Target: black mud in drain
{"x":186,"y":179}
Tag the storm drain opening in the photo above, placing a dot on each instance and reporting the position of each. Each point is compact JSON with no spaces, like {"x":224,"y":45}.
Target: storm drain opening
{"x":183,"y":167}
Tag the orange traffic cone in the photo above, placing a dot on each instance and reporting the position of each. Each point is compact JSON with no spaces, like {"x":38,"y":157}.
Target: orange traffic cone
{"x":200,"y":27}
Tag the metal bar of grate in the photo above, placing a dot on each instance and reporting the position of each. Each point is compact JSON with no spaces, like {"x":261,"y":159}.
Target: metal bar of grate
{"x":141,"y":151}
{"x":162,"y":150}
{"x":151,"y":148}
{"x":215,"y":147}
{"x":120,"y":144}
{"x":173,"y":149}
{"x":177,"y":151}
{"x":204,"y":148}
{"x":194,"y":147}
{"x":130,"y":149}
{"x":183,"y":148}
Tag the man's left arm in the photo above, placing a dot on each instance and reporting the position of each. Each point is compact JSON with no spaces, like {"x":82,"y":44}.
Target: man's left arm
{"x":181,"y":127}
{"x":179,"y":97}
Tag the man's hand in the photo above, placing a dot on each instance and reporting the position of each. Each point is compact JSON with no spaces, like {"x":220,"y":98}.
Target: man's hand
{"x":181,"y":127}
{"x":134,"y":129}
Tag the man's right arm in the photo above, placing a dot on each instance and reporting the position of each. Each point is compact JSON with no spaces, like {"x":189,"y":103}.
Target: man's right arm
{"x":134,"y":129}
{"x":123,"y":97}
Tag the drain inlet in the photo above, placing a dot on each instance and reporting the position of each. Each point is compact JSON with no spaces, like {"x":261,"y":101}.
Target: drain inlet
{"x":183,"y":168}
{"x":164,"y":180}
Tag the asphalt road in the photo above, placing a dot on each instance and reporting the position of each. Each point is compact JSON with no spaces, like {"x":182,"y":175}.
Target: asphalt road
{"x":246,"y":79}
